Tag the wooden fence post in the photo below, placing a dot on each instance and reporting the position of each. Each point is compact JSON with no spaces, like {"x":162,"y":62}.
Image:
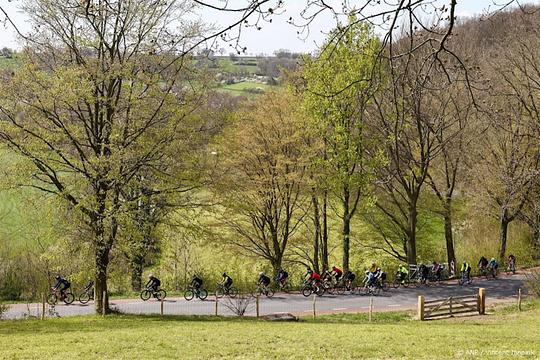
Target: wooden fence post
{"x":421,"y":307}
{"x":257,"y":304}
{"x":450,"y":306}
{"x":482,"y":300}
{"x":103,"y":302}
{"x":519,"y":299}
{"x":216,"y":309}
{"x":42,"y":306}
{"x":370,"y":308}
{"x":314,"y":309}
{"x":161,"y":306}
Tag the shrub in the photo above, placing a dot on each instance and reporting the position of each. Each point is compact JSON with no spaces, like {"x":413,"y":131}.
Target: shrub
{"x":532,"y":282}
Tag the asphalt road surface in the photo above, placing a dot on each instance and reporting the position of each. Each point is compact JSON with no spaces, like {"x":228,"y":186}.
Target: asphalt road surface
{"x":503,"y":288}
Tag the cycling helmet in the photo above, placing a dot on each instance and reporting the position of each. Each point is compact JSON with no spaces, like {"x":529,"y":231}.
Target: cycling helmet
{"x":261,"y":273}
{"x":309,"y":271}
{"x":224,"y":274}
{"x":492,"y":259}
{"x":150,"y":276}
{"x":57,"y":277}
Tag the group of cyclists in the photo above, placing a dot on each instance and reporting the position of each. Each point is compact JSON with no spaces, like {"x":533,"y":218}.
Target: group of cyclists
{"x":486,"y":268}
{"x":374,"y":278}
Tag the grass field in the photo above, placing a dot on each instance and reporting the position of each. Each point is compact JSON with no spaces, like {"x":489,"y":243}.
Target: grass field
{"x":391,"y":336}
{"x":246,"y":88}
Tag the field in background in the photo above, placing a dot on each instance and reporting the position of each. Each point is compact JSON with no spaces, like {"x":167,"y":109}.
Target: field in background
{"x":391,"y":335}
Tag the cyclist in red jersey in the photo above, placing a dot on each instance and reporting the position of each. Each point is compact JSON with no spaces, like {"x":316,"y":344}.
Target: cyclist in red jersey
{"x":338,"y":273}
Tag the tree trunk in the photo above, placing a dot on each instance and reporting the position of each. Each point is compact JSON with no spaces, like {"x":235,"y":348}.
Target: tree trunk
{"x":346,"y":231}
{"x":503,"y":234}
{"x":324,"y":237}
{"x":102,"y":262}
{"x":535,"y":241}
{"x":449,"y":237}
{"x":317,"y":233}
{"x":411,"y":241}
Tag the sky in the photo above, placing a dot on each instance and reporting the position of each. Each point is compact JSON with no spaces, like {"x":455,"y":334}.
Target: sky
{"x":273,"y":36}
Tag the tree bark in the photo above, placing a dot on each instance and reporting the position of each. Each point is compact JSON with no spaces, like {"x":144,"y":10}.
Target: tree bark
{"x":317,"y":233}
{"x":102,"y":262}
{"x":346,"y":231}
{"x":503,"y":234}
{"x":535,"y":241}
{"x":449,"y":237}
{"x":411,"y":241}
{"x":324,"y":237}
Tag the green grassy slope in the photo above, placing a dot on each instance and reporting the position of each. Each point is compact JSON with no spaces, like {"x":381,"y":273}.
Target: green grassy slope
{"x":343,"y":337}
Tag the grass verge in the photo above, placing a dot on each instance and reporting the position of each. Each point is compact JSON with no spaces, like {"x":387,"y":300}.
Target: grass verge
{"x":390,"y":336}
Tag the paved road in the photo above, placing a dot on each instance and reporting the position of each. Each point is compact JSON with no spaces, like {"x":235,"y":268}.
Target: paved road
{"x":505,"y":287}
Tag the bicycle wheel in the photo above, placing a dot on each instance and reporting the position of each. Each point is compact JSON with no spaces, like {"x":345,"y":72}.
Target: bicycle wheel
{"x":396,"y":283}
{"x":145,"y":295}
{"x":307,"y":291}
{"x":84,"y":298}
{"x":189,"y":295}
{"x":69,"y":298}
{"x":232,"y":293}
{"x":52,"y":299}
{"x":161,"y":294}
{"x":270,"y":292}
{"x":220,"y":292}
{"x":203,"y":294}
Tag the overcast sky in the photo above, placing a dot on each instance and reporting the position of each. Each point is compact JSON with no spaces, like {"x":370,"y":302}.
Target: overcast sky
{"x":273,"y":36}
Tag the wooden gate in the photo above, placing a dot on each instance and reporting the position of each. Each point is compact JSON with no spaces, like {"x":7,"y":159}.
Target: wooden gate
{"x":454,"y":305}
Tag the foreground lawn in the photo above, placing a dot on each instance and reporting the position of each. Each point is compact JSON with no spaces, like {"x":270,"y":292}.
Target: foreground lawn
{"x":392,"y":336}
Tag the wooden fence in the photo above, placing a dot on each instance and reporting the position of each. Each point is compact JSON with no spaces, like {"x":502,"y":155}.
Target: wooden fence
{"x":454,"y":305}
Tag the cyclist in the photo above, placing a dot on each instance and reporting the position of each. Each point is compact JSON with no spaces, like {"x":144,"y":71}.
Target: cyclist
{"x":153,"y":283}
{"x":511,"y":263}
{"x":196,"y":282}
{"x":424,"y":273}
{"x":466,"y":268}
{"x":337,"y":273}
{"x":349,"y":279}
{"x":493,"y":266}
{"x":282,"y":277}
{"x":263,"y":280}
{"x":226,"y":281}
{"x":312,"y":277}
{"x":380,"y":277}
{"x":402,"y":273}
{"x":62,"y":285}
{"x":437,"y":270}
{"x":482,"y":264}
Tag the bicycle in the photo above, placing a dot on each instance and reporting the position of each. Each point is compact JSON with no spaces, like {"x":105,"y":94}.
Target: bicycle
{"x":192,"y":292}
{"x":465,"y":279}
{"x":492,"y":272}
{"x":399,"y":281}
{"x":53,"y":297}
{"x":263,"y":290}
{"x":485,"y":272}
{"x":150,"y":292}
{"x":309,"y":288}
{"x":511,"y":269}
{"x":221,"y":291}
{"x":283,"y":286}
{"x":87,"y":295}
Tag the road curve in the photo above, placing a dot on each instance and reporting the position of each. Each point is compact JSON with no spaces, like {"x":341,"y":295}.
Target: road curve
{"x":504,"y":287}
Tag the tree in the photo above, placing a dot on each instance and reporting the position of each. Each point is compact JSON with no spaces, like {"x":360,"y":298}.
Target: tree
{"x":340,"y":109}
{"x":263,"y":158}
{"x":102,"y":99}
